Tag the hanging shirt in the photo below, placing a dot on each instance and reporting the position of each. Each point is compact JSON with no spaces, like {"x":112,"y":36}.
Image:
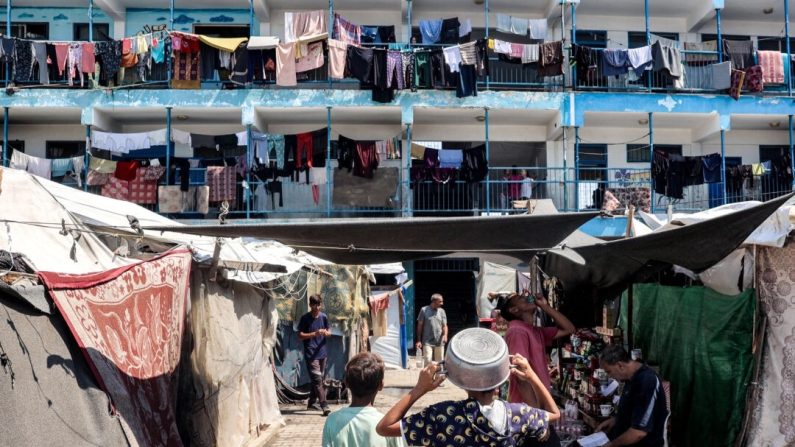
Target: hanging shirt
{"x":452,"y":57}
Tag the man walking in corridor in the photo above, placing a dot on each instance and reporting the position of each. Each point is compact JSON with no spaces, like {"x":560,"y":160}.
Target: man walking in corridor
{"x":432,"y":330}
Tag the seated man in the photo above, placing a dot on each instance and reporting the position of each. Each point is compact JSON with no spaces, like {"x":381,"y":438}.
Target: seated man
{"x":354,"y":426}
{"x":642,"y":410}
{"x":481,"y":419}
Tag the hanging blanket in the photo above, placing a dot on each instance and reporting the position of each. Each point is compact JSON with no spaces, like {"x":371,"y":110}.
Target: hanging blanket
{"x":128,"y":323}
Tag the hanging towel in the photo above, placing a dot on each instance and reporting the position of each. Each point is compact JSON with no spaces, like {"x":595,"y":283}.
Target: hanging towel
{"x":452,"y":57}
{"x":346,"y":31}
{"x":529,"y":53}
{"x":312,"y":59}
{"x":519,"y":26}
{"x":502,"y":47}
{"x":102,"y":165}
{"x":285,"y":65}
{"x":772,"y":66}
{"x":305,"y":26}
{"x":721,"y":76}
{"x":431,"y":31}
{"x":503,"y":23}
{"x":740,"y":53}
{"x":121,"y":143}
{"x":451,"y":158}
{"x":40,"y":166}
{"x":640,"y":59}
{"x":337,"y":53}
{"x":18,"y":160}
{"x":615,"y":62}
{"x":60,"y":166}
{"x":538,"y":29}
{"x":465,"y":28}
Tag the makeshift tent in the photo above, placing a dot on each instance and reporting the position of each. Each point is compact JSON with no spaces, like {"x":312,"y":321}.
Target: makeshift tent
{"x":703,"y":342}
{"x":696,"y":247}
{"x":773,"y":406}
{"x":493,"y":278}
{"x":373,"y":241}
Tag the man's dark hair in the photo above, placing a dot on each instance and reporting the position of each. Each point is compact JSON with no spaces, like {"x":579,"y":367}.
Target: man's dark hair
{"x":505,"y":305}
{"x":315,"y":299}
{"x":364,"y":374}
{"x":614,"y":354}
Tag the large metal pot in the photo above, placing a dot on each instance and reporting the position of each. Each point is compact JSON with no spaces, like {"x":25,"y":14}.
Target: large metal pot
{"x":477,"y":360}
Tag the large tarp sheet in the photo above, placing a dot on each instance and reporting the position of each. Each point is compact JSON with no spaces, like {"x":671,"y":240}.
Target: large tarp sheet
{"x":702,"y":341}
{"x":696,"y":247}
{"x":376,"y":241}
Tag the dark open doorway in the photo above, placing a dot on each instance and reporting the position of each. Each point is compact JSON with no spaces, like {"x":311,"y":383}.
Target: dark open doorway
{"x":455,"y":280}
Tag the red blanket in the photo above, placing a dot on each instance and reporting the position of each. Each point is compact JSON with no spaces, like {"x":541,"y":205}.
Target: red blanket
{"x":128,"y":322}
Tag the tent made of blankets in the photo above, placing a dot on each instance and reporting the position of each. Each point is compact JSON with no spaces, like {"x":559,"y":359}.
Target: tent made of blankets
{"x":81,"y":389}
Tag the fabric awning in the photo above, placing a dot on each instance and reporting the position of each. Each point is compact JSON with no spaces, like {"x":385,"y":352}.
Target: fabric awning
{"x":378,"y":241}
{"x":223,"y":43}
{"x":263,"y":42}
{"x":696,"y":247}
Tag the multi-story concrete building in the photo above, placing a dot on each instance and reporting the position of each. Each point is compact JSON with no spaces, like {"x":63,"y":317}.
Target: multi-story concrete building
{"x":571,"y":132}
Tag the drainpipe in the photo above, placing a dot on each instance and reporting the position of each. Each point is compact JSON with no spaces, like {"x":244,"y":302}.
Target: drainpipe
{"x":786,"y":36}
{"x":488,"y":158}
{"x":331,"y":27}
{"x":723,"y":163}
{"x":90,"y":20}
{"x":488,"y":76}
{"x":651,"y":160}
{"x":577,"y":169}
{"x":329,"y":183}
{"x":573,"y":38}
{"x":86,"y":158}
{"x":168,"y":148}
{"x":565,"y":172}
{"x":250,"y":161}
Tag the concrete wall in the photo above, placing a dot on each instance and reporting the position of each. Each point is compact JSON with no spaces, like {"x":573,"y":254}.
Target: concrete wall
{"x":61,"y":20}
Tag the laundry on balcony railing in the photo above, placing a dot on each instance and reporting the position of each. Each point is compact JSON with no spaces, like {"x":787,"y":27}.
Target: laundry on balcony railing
{"x":51,"y":169}
{"x":446,"y":166}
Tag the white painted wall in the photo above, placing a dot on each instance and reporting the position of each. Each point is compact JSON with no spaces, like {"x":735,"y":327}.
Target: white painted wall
{"x":36,"y":136}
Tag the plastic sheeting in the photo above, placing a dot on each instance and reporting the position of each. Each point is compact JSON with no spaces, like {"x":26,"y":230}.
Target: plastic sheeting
{"x":388,"y":346}
{"x":733,"y":272}
{"x":702,"y":341}
{"x":234,"y":394}
{"x":493,"y":278}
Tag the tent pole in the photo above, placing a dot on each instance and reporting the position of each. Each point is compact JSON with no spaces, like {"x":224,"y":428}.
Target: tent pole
{"x":565,"y":172}
{"x":630,"y":299}
{"x":488,"y":160}
{"x":250,"y":162}
{"x":407,"y":194}
{"x":723,"y":164}
{"x":5,"y":134}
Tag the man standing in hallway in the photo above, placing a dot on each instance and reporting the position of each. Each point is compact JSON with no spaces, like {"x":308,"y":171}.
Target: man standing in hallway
{"x":313,"y":328}
{"x":432,"y":330}
{"x":525,"y":338}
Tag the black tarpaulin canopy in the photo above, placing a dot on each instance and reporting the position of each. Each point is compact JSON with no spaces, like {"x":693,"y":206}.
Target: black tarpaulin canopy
{"x":379,"y":241}
{"x":696,"y":247}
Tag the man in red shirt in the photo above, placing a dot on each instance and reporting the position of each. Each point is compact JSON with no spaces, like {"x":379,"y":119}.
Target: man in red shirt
{"x":530,"y":341}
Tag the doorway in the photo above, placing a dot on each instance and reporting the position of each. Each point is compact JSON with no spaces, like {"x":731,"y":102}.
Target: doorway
{"x":455,"y":279}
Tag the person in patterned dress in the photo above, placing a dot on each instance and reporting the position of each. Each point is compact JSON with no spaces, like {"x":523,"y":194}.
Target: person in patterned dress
{"x":480,"y":420}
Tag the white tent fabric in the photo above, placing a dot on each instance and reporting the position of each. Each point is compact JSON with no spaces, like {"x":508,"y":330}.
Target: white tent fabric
{"x":724,"y":277}
{"x":772,"y":233}
{"x":241,"y":256}
{"x":31,"y":225}
{"x":388,"y":346}
{"x":493,"y":278}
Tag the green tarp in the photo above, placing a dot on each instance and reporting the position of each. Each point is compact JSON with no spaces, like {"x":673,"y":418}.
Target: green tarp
{"x":702,"y":341}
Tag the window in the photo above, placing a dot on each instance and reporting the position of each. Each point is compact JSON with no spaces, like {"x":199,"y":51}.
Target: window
{"x":775,"y":44}
{"x":593,"y":162}
{"x":31,"y":30}
{"x":65,"y":149}
{"x":640,"y":153}
{"x":101,"y":32}
{"x":14,"y":145}
{"x":771,"y":153}
{"x":637,"y":39}
{"x":709,"y":37}
{"x":593,"y":39}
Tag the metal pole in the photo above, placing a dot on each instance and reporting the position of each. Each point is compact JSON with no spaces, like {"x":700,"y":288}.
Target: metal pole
{"x":250,"y":18}
{"x":720,"y":38}
{"x":331,"y":27}
{"x":651,"y":159}
{"x":409,"y":197}
{"x":168,"y":148}
{"x":577,"y":169}
{"x":86,"y":159}
{"x":786,"y":36}
{"x":488,"y":75}
{"x":488,"y":160}
{"x":408,"y":17}
{"x":565,"y":172}
{"x":723,"y":163}
{"x":5,"y":136}
{"x":573,"y":38}
{"x":329,"y":172}
{"x":791,"y":146}
{"x":250,"y":163}
{"x":563,"y":37}
{"x":90,"y":20}
{"x":648,"y":35}
{"x":170,"y":28}
{"x":8,"y":62}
